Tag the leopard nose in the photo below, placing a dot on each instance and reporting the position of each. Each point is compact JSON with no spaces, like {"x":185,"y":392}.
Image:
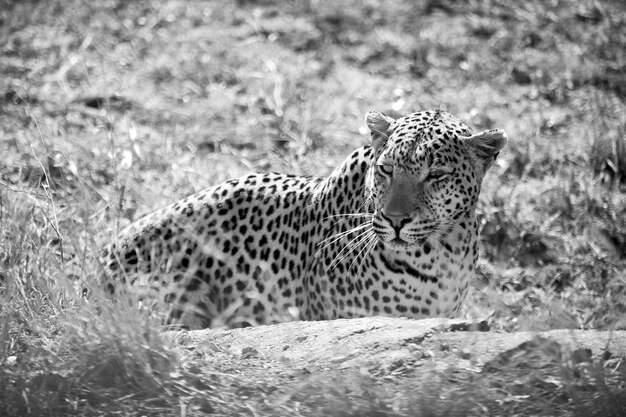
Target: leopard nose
{"x":397,"y":221}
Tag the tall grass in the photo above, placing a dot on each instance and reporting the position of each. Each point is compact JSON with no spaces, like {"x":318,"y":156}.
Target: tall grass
{"x":608,"y":147}
{"x":64,"y":354}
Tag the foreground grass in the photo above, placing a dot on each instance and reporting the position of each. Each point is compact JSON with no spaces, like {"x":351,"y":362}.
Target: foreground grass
{"x":109,"y":110}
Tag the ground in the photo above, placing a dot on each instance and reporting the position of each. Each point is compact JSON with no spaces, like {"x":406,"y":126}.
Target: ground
{"x":544,"y":373}
{"x":111,"y":109}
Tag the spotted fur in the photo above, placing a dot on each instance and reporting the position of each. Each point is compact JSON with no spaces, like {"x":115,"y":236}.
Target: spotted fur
{"x":392,"y":231}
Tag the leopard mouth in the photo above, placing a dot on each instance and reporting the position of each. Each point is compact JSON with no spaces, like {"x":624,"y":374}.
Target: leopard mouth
{"x":401,"y":244}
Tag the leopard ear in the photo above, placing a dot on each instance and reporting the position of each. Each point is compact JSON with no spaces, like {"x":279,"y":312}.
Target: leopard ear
{"x":379,"y":125}
{"x":485,"y":146}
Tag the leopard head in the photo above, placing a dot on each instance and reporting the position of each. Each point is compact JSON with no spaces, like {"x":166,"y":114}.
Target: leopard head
{"x":426,"y":175}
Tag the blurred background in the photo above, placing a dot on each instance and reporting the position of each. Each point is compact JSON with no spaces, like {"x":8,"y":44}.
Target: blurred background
{"x":111,"y":109}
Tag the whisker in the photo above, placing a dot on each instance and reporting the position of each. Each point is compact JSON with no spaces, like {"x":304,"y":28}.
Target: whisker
{"x":363,"y":242}
{"x":435,"y":241}
{"x":350,"y":248}
{"x":436,"y":227}
{"x":348,"y":215}
{"x":445,"y":228}
{"x":450,"y":226}
{"x":340,"y":235}
{"x":368,"y":241}
{"x":341,"y":220}
{"x":353,"y":229}
{"x":370,"y":245}
{"x":343,"y":235}
{"x":366,"y":202}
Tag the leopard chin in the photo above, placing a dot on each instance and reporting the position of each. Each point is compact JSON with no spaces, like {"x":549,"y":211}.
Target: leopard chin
{"x":399,"y":244}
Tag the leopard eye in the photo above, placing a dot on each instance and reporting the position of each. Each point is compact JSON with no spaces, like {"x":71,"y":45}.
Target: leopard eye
{"x":385,"y":169}
{"x":437,"y":175}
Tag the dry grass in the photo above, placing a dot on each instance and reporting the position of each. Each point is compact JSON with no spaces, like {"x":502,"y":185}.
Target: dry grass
{"x":110,"y":109}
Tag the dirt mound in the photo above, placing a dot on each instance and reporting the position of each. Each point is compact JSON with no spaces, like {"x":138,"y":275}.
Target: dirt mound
{"x":527,"y":372}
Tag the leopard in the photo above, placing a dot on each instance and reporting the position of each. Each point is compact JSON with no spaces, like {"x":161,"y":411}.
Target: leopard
{"x":392,"y":231}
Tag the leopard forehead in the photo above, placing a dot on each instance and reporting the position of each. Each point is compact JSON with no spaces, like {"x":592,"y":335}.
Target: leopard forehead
{"x":416,"y":138}
{"x":423,"y":126}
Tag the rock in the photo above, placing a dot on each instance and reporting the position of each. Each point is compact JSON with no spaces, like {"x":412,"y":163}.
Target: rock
{"x":525,"y":371}
{"x":376,"y":337}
